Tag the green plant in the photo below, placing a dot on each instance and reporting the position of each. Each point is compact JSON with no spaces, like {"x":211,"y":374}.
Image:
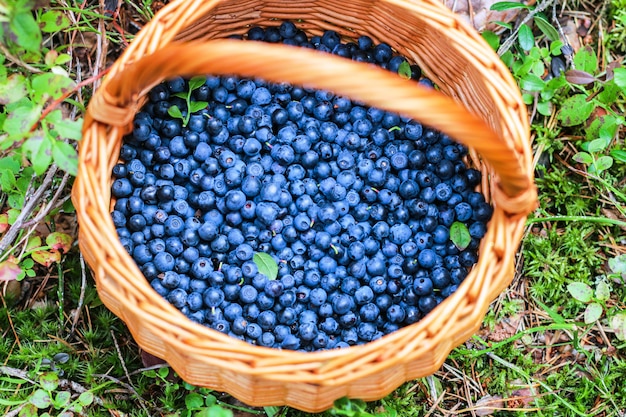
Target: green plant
{"x":596,"y":300}
{"x":192,"y":106}
{"x":44,"y":395}
{"x":32,"y":121}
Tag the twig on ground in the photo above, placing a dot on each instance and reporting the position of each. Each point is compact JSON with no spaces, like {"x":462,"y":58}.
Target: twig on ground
{"x":18,"y":61}
{"x":81,"y":297}
{"x":506,"y":45}
{"x":128,"y":387}
{"x":29,"y":206}
{"x":45,"y":210}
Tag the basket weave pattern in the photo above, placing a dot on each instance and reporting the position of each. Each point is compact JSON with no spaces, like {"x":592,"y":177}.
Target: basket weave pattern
{"x":481,"y":107}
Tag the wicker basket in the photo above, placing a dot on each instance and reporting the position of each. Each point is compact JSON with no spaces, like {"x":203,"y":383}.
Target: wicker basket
{"x":180,"y":40}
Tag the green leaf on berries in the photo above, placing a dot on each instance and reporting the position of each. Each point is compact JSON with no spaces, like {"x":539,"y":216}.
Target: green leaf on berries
{"x":580,"y":291}
{"x":592,"y":313}
{"x":459,"y":235}
{"x":175,"y":112}
{"x":196,"y":82}
{"x":266,"y":265}
{"x":195,"y":106}
{"x":619,"y":155}
{"x":404,"y":70}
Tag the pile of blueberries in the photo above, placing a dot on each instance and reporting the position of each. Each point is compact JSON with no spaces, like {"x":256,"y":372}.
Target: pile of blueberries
{"x":353,"y":204}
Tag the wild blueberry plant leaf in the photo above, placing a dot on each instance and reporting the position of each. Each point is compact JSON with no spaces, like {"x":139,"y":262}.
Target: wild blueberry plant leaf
{"x":580,"y":291}
{"x":404,"y":70}
{"x":459,"y":235}
{"x":593,"y":313}
{"x":266,"y":265}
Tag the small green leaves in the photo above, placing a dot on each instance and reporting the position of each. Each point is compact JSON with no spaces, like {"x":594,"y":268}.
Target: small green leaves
{"x":603,"y":291}
{"x":601,"y":164}
{"x":526,"y":38}
{"x":597,"y":145}
{"x":13,"y":89}
{"x":583,"y":158}
{"x":580,"y":291}
{"x":619,"y":76}
{"x":404,"y":70}
{"x":26,"y":30}
{"x":618,"y":264}
{"x":546,"y":27}
{"x":575,"y":110}
{"x":40,"y":399}
{"x":592,"y":313}
{"x":459,"y":235}
{"x":618,"y":324}
{"x":492,"y":39}
{"x":508,"y":5}
{"x":192,"y":106}
{"x":46,"y":258}
{"x":65,"y":156}
{"x":195,"y":106}
{"x":49,"y":381}
{"x":194,"y":401}
{"x":531,"y":82}
{"x":196,"y":82}
{"x":85,"y":398}
{"x":175,"y":112}
{"x":54,"y":21}
{"x":619,"y":155}
{"x":266,"y":265}
{"x":586,"y":60}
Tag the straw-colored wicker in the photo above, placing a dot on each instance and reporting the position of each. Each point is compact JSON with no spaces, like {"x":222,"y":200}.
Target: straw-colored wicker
{"x":180,"y":41}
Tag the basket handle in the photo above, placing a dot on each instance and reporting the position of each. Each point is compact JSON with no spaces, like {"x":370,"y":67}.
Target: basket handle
{"x":116,"y":104}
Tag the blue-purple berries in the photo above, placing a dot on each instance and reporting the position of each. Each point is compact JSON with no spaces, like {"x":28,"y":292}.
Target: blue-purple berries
{"x":353,"y":203}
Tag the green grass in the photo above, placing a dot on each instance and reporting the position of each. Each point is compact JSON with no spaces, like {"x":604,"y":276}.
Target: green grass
{"x":535,"y":354}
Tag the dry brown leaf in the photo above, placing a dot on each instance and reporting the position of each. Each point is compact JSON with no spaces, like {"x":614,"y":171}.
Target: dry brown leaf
{"x":504,"y":329}
{"x":478,"y":15}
